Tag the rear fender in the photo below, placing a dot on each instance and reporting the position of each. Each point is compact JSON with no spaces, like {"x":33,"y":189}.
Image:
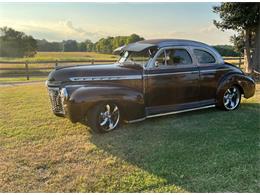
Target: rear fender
{"x":245,"y":83}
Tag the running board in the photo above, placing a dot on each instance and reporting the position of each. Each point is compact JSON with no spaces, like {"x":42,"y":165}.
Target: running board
{"x":169,"y":113}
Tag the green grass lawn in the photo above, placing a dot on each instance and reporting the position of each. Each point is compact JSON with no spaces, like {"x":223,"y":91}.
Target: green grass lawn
{"x":200,"y":151}
{"x":21,"y":79}
{"x":46,"y":56}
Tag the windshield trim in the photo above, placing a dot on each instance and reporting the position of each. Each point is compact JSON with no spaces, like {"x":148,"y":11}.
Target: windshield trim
{"x":150,"y":57}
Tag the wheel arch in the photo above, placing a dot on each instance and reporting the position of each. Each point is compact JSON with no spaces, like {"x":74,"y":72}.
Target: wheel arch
{"x":245,"y":84}
{"x":130,"y":101}
{"x":122,"y":108}
{"x":241,"y":90}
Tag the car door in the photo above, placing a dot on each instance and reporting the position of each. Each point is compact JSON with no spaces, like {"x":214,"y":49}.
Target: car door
{"x":172,"y":81}
{"x":211,"y":70}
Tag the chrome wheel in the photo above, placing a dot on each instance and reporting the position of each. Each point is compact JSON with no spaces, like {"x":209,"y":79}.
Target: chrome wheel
{"x":109,"y":117}
{"x":231,"y":98}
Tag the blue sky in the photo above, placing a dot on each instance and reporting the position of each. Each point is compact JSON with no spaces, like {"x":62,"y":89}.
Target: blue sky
{"x":80,"y":21}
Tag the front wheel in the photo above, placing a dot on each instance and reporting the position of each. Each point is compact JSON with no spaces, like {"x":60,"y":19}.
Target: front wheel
{"x":230,"y":99}
{"x":104,"y":117}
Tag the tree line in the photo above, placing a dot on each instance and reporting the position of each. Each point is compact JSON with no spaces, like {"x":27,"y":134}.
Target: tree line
{"x":17,"y":44}
{"x":109,"y":44}
{"x":104,"y":45}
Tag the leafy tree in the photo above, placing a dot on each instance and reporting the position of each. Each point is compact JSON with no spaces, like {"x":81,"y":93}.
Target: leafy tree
{"x":243,"y":17}
{"x":81,"y":46}
{"x":107,"y":45}
{"x":29,"y":46}
{"x":238,"y":42}
{"x":70,"y":45}
{"x":16,"y":44}
{"x":226,"y":50}
{"x":89,"y":45}
{"x":44,"y":45}
{"x":134,"y":38}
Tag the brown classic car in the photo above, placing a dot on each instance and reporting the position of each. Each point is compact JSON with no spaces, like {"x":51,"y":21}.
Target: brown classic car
{"x":152,"y":78}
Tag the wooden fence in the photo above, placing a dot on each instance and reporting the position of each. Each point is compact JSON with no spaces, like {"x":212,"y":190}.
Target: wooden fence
{"x":27,"y":71}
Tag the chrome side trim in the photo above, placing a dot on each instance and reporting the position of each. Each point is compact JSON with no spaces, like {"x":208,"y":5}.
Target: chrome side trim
{"x":186,"y":72}
{"x":214,"y":70}
{"x":133,"y":77}
{"x":106,"y":78}
{"x":169,"y":113}
{"x":180,"y":111}
{"x":173,"y":73}
{"x":136,"y":120}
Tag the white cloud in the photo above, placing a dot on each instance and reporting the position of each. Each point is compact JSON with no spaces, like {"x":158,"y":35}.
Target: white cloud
{"x":209,"y":34}
{"x":208,"y":29}
{"x":53,"y":31}
{"x":64,"y":30}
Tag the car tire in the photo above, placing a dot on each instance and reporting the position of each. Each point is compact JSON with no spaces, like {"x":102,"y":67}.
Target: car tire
{"x":230,"y":98}
{"x":104,"y":117}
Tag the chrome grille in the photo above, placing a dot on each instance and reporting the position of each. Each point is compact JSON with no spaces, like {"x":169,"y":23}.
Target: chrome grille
{"x":56,"y":102}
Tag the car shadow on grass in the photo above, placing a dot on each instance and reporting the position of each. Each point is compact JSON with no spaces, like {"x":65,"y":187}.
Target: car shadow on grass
{"x":201,"y":151}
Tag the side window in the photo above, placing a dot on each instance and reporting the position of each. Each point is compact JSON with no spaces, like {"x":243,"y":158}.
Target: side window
{"x":204,"y":57}
{"x":177,"y":57}
{"x":160,"y":60}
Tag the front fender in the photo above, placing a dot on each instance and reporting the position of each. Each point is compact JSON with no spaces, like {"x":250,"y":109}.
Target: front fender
{"x":130,"y":101}
{"x":245,"y":83}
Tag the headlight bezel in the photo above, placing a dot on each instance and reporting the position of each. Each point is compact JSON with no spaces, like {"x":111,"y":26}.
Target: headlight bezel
{"x":64,"y":94}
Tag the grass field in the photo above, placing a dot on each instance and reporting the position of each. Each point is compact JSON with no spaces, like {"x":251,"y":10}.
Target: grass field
{"x":201,"y":151}
{"x":21,"y":79}
{"x":41,"y":56}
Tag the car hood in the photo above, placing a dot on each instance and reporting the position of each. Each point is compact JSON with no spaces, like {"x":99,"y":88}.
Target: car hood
{"x":93,"y":71}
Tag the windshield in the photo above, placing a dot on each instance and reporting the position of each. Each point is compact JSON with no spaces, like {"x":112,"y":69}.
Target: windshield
{"x":140,"y":58}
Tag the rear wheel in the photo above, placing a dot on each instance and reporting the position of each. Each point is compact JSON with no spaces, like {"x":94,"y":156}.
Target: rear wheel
{"x":231,"y":98}
{"x":104,"y":117}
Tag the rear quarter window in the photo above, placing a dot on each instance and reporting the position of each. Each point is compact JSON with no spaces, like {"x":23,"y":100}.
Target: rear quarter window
{"x":204,"y":57}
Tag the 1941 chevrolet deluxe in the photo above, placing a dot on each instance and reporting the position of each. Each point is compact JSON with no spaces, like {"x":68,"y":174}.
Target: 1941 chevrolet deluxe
{"x":152,"y":78}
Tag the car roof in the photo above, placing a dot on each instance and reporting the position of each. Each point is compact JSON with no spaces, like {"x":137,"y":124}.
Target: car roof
{"x":160,"y":43}
{"x":141,"y":45}
{"x":171,"y":42}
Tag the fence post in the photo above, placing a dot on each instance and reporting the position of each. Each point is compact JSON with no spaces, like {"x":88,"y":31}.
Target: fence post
{"x":56,"y":63}
{"x":92,"y":61}
{"x":27,"y":70}
{"x":239,"y":65}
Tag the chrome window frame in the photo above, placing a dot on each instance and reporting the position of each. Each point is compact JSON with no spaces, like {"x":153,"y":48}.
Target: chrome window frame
{"x":151,"y":64}
{"x":144,"y":66}
{"x":215,"y":55}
